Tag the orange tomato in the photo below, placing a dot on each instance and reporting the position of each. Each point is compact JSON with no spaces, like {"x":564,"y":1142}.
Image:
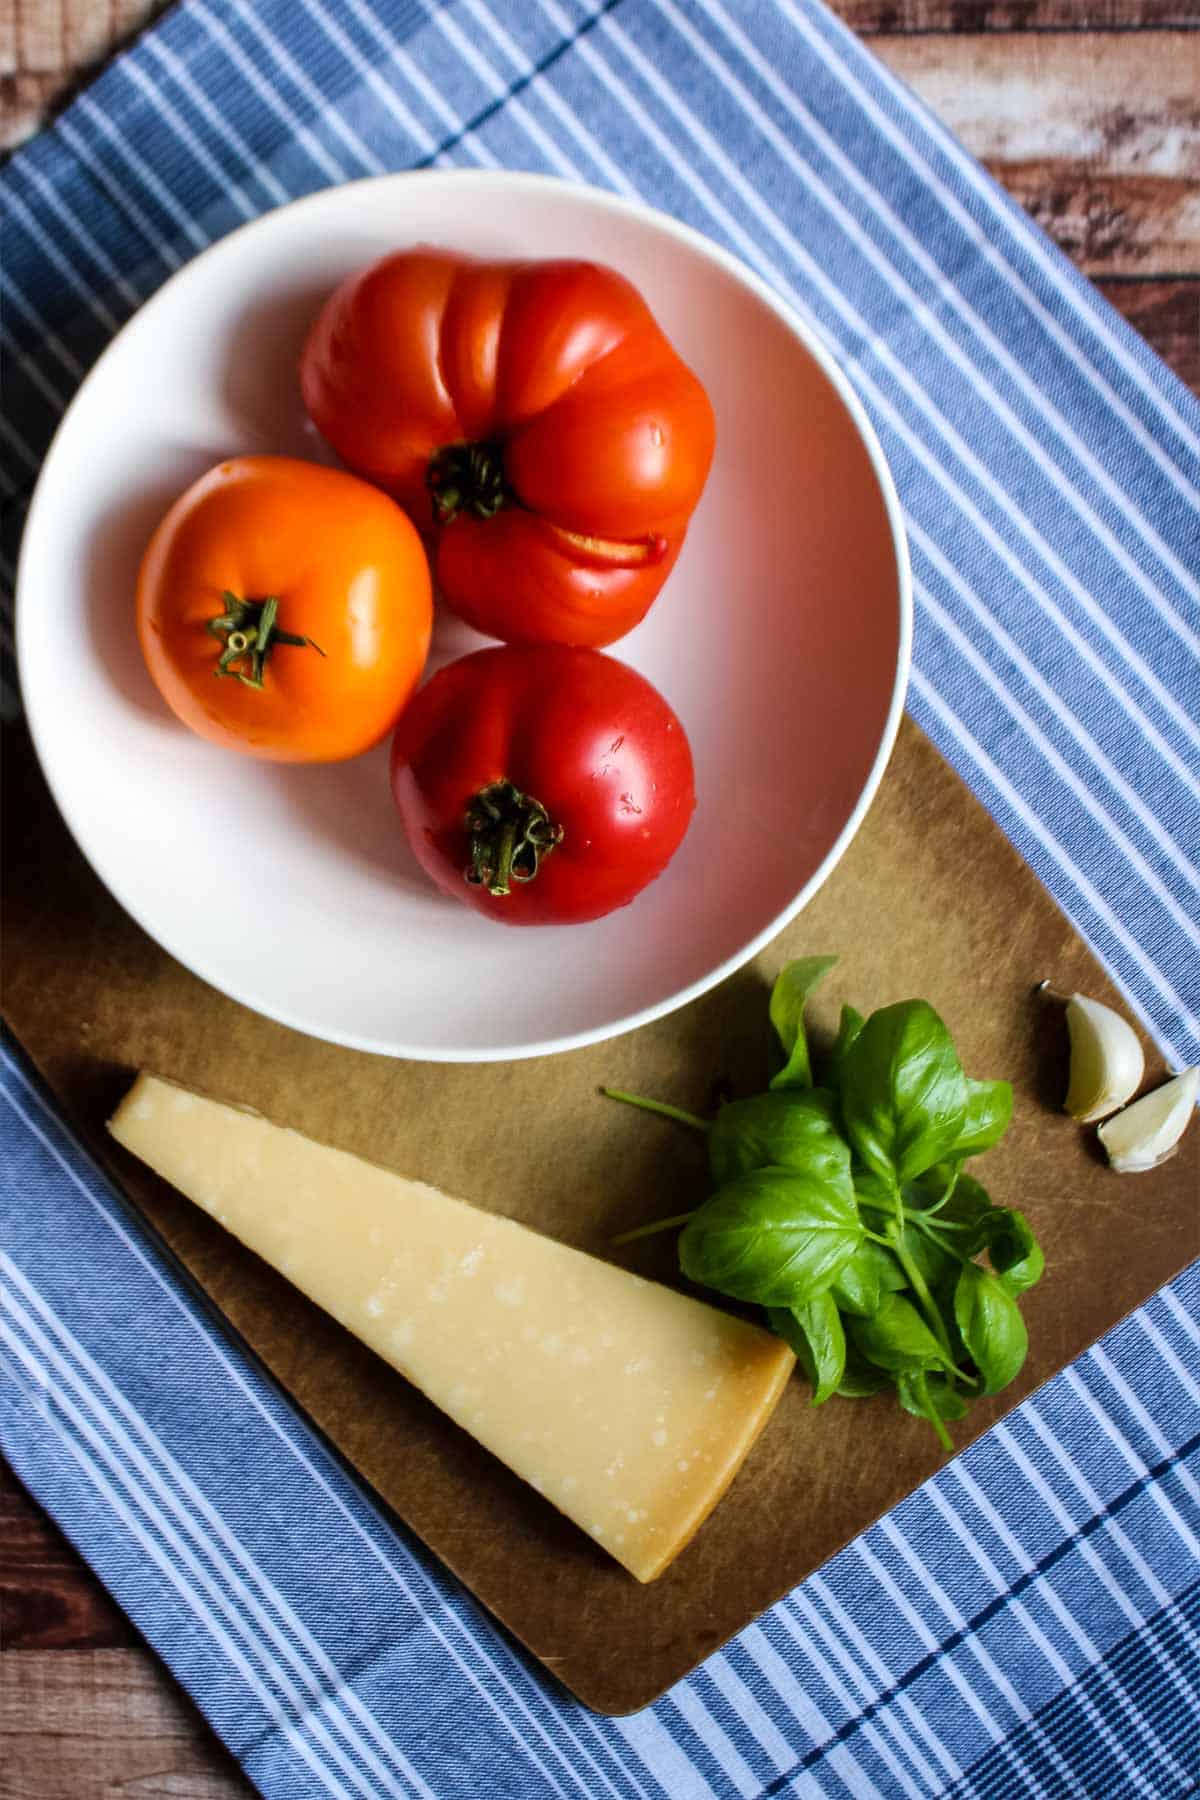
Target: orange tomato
{"x":322,"y":566}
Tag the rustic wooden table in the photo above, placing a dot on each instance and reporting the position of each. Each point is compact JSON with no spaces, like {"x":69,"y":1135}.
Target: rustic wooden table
{"x":1089,"y":112}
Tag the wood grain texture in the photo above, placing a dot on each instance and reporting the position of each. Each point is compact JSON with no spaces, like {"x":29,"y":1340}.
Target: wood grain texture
{"x":871,"y":18}
{"x":49,"y":1598}
{"x":104,"y":1724}
{"x":48,"y":47}
{"x":1098,"y":136}
{"x":1167,"y":314}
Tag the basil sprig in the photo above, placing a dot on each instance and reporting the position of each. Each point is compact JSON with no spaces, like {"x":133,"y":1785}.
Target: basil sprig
{"x":845,"y":1210}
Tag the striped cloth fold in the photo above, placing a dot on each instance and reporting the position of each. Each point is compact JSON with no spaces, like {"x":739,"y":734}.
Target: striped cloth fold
{"x":1029,"y":1622}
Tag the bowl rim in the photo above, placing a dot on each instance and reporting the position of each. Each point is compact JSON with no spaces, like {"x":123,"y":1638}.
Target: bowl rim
{"x":708,"y":250}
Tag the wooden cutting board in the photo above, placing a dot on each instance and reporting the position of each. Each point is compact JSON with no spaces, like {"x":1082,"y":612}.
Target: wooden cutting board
{"x":930,"y":900}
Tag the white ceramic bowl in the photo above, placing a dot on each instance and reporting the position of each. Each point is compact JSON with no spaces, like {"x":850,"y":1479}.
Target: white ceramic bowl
{"x":781,"y":639}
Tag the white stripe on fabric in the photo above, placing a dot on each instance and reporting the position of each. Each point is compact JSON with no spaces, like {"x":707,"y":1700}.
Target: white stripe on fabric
{"x":32,"y":462}
{"x":1165,"y":1350}
{"x":54,"y":255}
{"x":132,"y":70}
{"x":487,"y":74}
{"x":970,"y":747}
{"x":544,"y":91}
{"x":390,"y":98}
{"x":15,"y":296}
{"x":85,"y":152}
{"x":816,"y":1588}
{"x":1067,"y":1676}
{"x":156,"y":1551}
{"x":156,"y":45}
{"x":315,"y":150}
{"x":1070,"y":1526}
{"x":946,"y":1666}
{"x":142,"y":171}
{"x":747,"y":1710}
{"x":645,"y":1733}
{"x":715,"y":1740}
{"x":918,"y":309}
{"x":804,"y":1707}
{"x":429,"y":1592}
{"x":903,"y":378}
{"x":258,"y":1600}
{"x":421,"y":84}
{"x":1087,"y":1550}
{"x":1016,"y":228}
{"x":975,"y":1647}
{"x":950,"y":294}
{"x":1135,"y":1463}
{"x":228,"y":1596}
{"x":323,"y":107}
{"x":1092,"y":750}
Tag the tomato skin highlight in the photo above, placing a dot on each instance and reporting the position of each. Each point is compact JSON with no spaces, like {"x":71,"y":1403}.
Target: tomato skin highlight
{"x":349,"y":573}
{"x":586,"y":419}
{"x":582,"y":734}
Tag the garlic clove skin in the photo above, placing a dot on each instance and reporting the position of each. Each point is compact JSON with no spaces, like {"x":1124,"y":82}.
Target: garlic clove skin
{"x":1107,"y":1064}
{"x":1146,"y":1133}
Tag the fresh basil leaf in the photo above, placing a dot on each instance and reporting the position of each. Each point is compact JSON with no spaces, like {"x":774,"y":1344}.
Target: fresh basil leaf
{"x":904,"y":1096}
{"x":870,"y":1273}
{"x":862,"y":1379}
{"x":793,"y":1129}
{"x":928,"y":1253}
{"x":991,"y":1325}
{"x":947,"y":1401}
{"x":849,"y":1026}
{"x":792,"y":987}
{"x":772,"y":1236}
{"x":897,"y":1338}
{"x":968,"y":1200}
{"x":988,"y":1114}
{"x":872,"y":1190}
{"x":1012,"y":1249}
{"x":815,"y":1333}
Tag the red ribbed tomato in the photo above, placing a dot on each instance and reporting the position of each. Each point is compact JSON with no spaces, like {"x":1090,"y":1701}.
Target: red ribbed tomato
{"x":541,"y":784}
{"x":532,"y":418}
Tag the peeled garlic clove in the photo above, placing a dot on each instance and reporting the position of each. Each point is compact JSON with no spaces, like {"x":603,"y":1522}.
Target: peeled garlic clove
{"x":1106,"y":1059}
{"x":1146,"y":1133}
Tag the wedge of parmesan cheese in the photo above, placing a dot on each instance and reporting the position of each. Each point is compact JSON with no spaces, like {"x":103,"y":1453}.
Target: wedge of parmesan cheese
{"x":629,"y":1406}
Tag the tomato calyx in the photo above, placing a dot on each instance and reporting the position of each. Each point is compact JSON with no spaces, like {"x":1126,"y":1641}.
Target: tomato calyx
{"x":510,"y":834}
{"x":248,"y":631}
{"x":468,"y":478}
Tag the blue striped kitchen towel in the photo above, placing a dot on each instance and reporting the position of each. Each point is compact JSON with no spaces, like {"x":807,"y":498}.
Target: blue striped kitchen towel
{"x":1029,"y":1622}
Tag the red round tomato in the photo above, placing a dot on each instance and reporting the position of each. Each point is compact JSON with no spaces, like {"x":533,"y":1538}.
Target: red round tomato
{"x":541,"y":784}
{"x":284,"y":609}
{"x":533,"y":420}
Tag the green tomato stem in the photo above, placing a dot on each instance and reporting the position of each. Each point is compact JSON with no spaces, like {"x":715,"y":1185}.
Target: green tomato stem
{"x":510,"y":836}
{"x":643,"y":1231}
{"x":248,"y":634}
{"x":662,"y":1107}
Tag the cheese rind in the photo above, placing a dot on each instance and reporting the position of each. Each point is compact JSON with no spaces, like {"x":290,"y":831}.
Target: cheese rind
{"x":629,"y":1406}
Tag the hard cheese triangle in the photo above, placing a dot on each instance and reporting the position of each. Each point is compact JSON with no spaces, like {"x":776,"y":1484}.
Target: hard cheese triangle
{"x":630,"y":1406}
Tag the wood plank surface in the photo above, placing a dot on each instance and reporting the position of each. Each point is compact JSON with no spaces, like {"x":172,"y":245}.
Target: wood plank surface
{"x":1097,"y":136}
{"x":49,"y":1598}
{"x":1089,"y":112}
{"x":103,"y":1724}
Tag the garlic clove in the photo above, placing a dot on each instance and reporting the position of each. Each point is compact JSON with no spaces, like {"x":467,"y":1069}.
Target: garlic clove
{"x":1107,"y":1064}
{"x":1146,"y":1133}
